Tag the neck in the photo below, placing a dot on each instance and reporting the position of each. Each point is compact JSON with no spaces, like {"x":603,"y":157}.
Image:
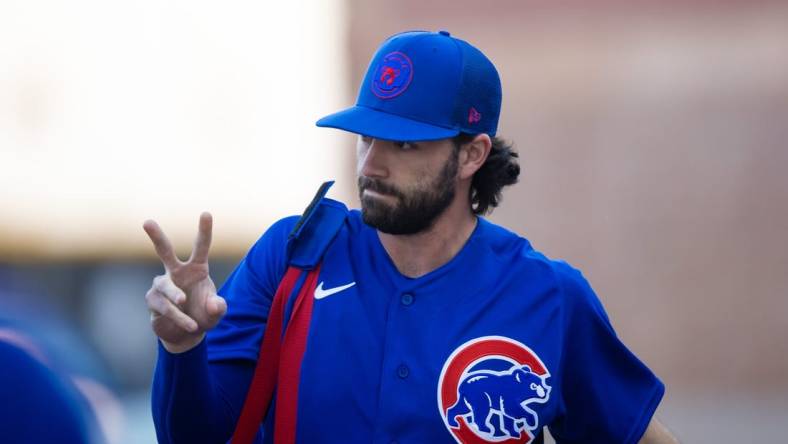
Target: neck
{"x":417,"y":254}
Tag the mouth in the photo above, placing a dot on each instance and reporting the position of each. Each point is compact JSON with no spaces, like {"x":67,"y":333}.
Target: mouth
{"x":376,"y":194}
{"x":375,"y":189}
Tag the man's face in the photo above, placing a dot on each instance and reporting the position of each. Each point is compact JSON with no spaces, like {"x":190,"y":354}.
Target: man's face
{"x":404,"y":187}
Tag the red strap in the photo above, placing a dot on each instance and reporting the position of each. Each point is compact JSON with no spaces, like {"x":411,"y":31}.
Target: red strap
{"x":292,"y":353}
{"x":279,"y":363}
{"x":265,"y":373}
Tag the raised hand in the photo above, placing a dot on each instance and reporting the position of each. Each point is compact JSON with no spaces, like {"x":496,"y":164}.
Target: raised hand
{"x":183,"y":302}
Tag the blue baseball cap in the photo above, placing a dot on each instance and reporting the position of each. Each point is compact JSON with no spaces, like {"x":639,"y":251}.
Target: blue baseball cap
{"x":424,"y":86}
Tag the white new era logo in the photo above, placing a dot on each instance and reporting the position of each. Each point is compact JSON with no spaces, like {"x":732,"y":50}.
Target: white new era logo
{"x":320,"y":293}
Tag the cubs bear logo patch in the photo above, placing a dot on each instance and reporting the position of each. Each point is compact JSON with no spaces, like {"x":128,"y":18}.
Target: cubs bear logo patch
{"x":392,"y":75}
{"x":487,"y":388}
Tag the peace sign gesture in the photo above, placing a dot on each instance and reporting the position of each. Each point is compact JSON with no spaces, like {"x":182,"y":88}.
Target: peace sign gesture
{"x":183,"y":302}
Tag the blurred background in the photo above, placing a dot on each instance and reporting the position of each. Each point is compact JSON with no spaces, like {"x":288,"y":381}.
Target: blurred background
{"x":653,"y":141}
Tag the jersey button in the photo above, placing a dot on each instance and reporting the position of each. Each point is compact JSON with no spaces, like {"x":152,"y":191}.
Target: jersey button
{"x":406,"y":299}
{"x":403,"y":371}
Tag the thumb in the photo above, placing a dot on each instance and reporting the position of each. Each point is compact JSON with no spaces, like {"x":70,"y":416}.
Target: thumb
{"x":216,"y":307}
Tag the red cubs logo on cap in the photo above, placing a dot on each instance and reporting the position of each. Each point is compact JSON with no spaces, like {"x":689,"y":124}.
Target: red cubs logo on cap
{"x":487,"y":389}
{"x":392,"y":75}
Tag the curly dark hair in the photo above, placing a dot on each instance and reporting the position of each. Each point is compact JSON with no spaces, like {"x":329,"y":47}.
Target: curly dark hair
{"x":499,"y":170}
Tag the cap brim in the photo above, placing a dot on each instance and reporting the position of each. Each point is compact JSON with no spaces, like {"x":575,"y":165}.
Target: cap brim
{"x":382,"y":125}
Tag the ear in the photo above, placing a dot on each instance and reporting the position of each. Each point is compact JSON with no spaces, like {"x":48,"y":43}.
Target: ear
{"x":473,"y":155}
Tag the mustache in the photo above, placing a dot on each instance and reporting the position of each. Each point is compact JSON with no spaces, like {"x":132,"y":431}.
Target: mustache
{"x":365,"y":183}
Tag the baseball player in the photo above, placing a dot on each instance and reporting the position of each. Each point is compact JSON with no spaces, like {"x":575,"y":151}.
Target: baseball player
{"x":423,"y":322}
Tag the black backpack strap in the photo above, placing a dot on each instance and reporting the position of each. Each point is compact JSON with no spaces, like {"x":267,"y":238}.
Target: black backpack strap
{"x":313,"y":233}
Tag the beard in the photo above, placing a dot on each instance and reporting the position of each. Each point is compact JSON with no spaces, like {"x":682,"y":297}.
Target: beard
{"x":414,"y":210}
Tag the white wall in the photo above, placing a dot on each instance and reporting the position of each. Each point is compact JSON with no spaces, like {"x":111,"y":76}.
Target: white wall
{"x":112,"y":112}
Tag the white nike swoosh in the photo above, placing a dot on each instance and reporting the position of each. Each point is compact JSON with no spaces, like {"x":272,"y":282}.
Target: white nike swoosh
{"x":320,"y":293}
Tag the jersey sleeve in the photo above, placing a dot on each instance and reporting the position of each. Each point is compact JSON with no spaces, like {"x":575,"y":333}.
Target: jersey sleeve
{"x":608,"y":395}
{"x":249,"y":292}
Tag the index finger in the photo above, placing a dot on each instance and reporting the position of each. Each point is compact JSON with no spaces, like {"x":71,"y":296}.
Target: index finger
{"x":203,"y":242}
{"x":161,"y":244}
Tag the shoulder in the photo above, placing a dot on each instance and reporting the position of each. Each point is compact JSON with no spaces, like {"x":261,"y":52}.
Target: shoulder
{"x":518,"y":255}
{"x":269,"y":252}
{"x":514,"y":251}
{"x":296,"y":236}
{"x":578,"y":296}
{"x":276,"y":235}
{"x":280,"y":229}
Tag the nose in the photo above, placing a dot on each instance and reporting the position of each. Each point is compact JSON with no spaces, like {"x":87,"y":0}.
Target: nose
{"x":371,"y":158}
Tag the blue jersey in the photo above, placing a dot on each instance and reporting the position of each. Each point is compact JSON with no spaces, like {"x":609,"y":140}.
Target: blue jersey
{"x":490,"y":347}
